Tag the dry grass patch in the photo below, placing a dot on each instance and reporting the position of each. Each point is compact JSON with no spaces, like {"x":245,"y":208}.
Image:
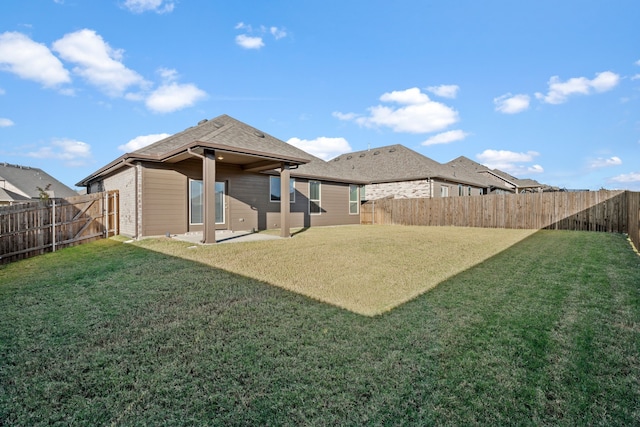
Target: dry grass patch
{"x":365,"y":269}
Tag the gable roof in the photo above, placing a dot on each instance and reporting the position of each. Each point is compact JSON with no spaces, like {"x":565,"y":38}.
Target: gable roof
{"x":386,"y":164}
{"x":395,"y":163}
{"x":225,"y":132}
{"x":471,"y":165}
{"x":259,"y":150}
{"x":22,"y":182}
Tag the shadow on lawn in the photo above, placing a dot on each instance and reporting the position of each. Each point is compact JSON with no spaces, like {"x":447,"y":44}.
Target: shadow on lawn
{"x":126,"y":334}
{"x":367,"y":281}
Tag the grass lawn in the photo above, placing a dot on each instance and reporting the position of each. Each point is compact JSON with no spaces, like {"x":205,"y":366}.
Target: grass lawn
{"x":368,"y":270}
{"x":546,"y":332}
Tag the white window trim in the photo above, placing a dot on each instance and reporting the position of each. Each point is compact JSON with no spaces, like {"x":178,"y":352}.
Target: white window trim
{"x":292,"y":195}
{"x":357,"y":201}
{"x":190,"y":207}
{"x":319,"y":199}
{"x":224,"y":201}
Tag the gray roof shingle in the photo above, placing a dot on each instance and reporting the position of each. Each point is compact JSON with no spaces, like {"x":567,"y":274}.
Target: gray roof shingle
{"x":225,"y":130}
{"x":25,"y":181}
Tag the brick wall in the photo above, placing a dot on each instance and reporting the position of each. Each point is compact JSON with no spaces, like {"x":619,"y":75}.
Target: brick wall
{"x":124,"y":181}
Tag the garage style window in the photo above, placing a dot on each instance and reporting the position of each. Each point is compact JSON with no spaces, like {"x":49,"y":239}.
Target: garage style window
{"x":354,"y":200}
{"x":314,"y":198}
{"x":274,"y":189}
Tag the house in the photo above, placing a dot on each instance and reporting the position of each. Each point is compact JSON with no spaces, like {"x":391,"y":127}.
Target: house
{"x":19,"y":184}
{"x":498,"y":178}
{"x":225,"y":175}
{"x":399,"y":172}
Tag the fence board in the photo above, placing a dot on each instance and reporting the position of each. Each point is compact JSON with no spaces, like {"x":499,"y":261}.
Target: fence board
{"x":608,"y":211}
{"x":33,"y":228}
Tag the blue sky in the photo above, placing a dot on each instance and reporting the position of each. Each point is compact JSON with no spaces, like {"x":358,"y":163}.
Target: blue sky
{"x":548,"y":90}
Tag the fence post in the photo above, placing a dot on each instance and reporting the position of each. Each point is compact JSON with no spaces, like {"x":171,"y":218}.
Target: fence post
{"x":373,"y":213}
{"x":116,"y":224}
{"x":105,"y":212}
{"x":53,"y":224}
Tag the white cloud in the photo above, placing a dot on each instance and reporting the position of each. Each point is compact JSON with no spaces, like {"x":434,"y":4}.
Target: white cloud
{"x":510,"y":161}
{"x":344,"y":116}
{"x":417,"y":113}
{"x":603,"y":163}
{"x":535,"y":169}
{"x":323,"y":147}
{"x":73,"y":153}
{"x":249,"y":42}
{"x":97,"y":62}
{"x":445,"y":91}
{"x":142,"y":141}
{"x":173,"y":96}
{"x":559,"y":92}
{"x":5,"y":123}
{"x":158,"y":6}
{"x":30,"y":60}
{"x":278,"y":33}
{"x":627,"y":178}
{"x":446,"y":137}
{"x":254,"y":37}
{"x":512,"y":104}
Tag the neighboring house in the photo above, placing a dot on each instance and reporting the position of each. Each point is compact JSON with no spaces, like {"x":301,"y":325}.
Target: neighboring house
{"x":19,"y":184}
{"x":399,"y":172}
{"x":224,"y":174}
{"x":501,"y":180}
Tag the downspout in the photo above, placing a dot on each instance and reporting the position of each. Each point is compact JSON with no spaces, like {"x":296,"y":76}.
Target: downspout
{"x":193,"y":153}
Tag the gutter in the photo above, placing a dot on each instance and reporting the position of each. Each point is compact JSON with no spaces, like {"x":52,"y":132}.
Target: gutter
{"x":160,"y":158}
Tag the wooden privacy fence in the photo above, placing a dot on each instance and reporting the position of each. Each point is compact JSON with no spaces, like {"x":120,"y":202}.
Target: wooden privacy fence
{"x":33,"y":228}
{"x":610,"y":211}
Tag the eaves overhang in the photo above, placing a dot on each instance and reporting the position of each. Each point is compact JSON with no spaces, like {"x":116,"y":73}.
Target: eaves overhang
{"x":253,"y":160}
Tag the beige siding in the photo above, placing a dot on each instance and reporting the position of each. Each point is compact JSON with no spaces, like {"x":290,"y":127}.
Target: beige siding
{"x":164,"y":202}
{"x":334,"y":207}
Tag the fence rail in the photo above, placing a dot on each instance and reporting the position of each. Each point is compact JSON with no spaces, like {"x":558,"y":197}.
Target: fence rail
{"x":609,"y":211}
{"x":33,"y":228}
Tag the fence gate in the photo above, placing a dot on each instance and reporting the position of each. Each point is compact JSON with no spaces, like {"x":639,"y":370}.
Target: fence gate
{"x":33,"y":228}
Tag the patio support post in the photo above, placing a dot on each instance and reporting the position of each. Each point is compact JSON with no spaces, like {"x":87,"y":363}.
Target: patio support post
{"x":208,"y":194}
{"x":285,"y":177}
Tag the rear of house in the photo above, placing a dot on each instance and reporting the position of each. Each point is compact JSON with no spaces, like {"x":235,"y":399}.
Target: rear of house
{"x":225,"y":175}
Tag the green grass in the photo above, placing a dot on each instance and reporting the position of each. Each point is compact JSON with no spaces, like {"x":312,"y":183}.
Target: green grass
{"x":544,"y":333}
{"x":368,"y":270}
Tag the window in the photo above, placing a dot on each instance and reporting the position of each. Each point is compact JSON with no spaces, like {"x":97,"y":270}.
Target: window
{"x":354,"y":202}
{"x":469,"y":190}
{"x":274,"y":189}
{"x":220,"y":193}
{"x":196,"y":201}
{"x":460,"y":193}
{"x":444,"y":191}
{"x":314,"y":198}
